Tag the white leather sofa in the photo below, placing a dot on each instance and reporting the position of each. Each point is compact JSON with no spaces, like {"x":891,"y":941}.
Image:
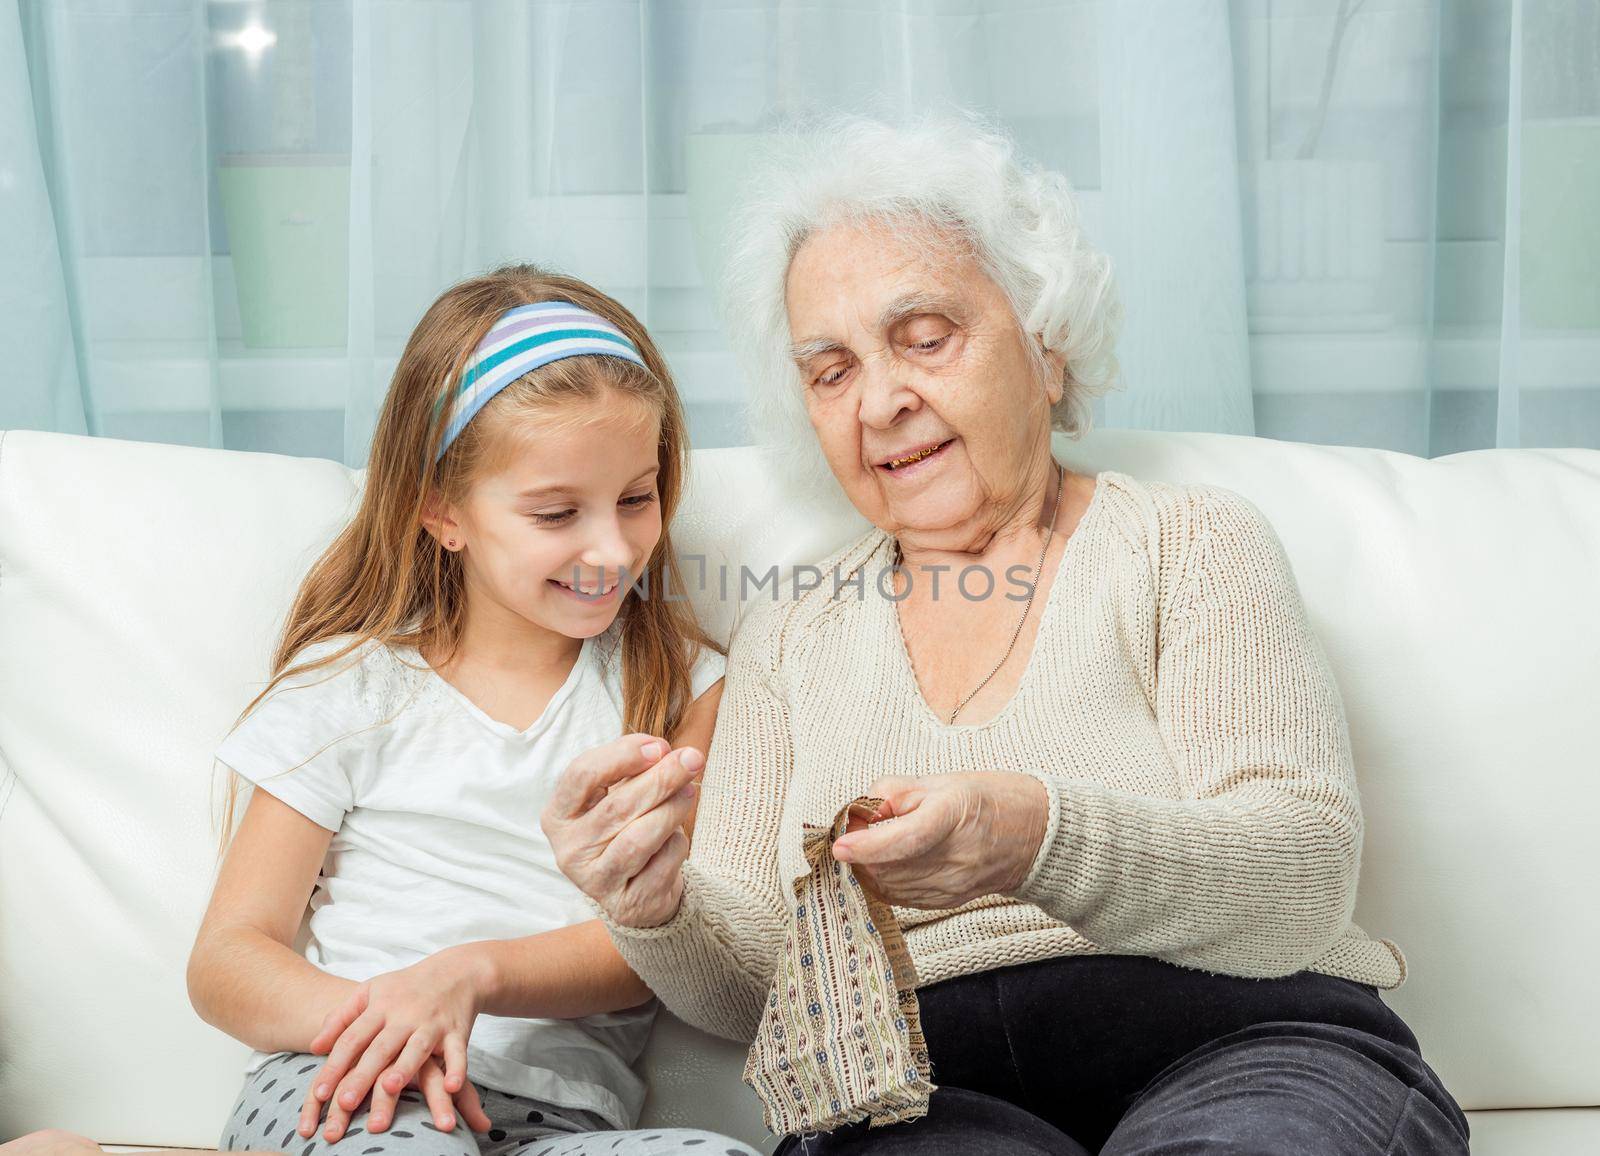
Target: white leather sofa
{"x":1458,"y":598}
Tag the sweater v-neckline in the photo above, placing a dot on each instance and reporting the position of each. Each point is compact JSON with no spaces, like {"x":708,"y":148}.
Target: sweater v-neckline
{"x":908,"y":669}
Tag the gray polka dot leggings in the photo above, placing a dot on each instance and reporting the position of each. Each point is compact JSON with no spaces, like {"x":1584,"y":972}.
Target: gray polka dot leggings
{"x":268,"y":1108}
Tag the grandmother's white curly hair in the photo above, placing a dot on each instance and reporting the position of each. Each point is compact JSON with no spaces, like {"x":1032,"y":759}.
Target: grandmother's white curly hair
{"x":943,"y":180}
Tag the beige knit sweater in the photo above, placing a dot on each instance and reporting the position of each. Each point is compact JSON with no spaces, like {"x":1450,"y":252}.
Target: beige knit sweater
{"x":1176,"y":705}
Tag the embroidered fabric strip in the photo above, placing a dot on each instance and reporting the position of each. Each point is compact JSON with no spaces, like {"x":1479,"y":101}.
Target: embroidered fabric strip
{"x":841,"y":1038}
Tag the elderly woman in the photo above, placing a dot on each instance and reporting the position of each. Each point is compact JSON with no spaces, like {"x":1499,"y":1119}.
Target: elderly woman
{"x":1121,"y":830}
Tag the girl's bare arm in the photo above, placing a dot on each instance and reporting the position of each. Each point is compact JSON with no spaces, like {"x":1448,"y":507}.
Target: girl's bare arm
{"x":244,"y":976}
{"x":699,"y":721}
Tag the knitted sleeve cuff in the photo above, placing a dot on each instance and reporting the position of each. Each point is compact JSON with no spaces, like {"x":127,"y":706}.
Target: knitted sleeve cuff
{"x":682,"y":919}
{"x":1104,"y":848}
{"x":1040,"y":884}
{"x":712,"y":962}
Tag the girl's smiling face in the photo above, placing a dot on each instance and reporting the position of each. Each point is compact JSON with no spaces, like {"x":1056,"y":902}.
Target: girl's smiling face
{"x":557,"y":530}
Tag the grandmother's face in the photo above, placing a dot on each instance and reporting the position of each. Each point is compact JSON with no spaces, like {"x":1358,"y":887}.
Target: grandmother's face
{"x":930,"y":409}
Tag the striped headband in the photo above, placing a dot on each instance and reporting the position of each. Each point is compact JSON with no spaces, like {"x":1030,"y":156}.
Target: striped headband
{"x":522,"y":340}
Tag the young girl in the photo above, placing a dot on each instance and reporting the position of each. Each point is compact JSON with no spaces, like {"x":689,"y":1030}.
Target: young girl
{"x":494,"y":609}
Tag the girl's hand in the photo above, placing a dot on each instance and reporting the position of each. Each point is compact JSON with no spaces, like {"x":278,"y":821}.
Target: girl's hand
{"x":380,"y":1040}
{"x":430,"y":1078}
{"x":953,"y":837}
{"x":615,"y":821}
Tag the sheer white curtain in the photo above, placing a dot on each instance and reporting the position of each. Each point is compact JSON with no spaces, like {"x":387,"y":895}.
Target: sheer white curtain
{"x":1366,"y":222}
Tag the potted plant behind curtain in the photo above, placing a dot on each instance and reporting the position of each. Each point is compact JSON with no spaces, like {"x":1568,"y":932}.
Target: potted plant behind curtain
{"x":287,"y":206}
{"x":1561,"y":168}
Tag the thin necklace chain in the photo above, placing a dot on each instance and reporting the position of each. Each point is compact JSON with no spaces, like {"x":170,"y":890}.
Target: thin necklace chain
{"x":1038,"y":569}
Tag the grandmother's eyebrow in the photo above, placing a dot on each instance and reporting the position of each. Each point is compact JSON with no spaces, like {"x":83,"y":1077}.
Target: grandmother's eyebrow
{"x":804,"y":351}
{"x":898,"y":310}
{"x":915,"y":305}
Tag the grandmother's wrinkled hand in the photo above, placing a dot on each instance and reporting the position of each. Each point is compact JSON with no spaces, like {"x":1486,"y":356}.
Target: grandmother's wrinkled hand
{"x":944,"y":840}
{"x":615,"y":822}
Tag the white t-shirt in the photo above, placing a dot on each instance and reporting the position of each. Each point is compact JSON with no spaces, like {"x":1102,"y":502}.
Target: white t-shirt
{"x":435,"y":812}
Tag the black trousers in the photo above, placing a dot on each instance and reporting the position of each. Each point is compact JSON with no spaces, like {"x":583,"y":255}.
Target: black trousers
{"x":1125,"y":1054}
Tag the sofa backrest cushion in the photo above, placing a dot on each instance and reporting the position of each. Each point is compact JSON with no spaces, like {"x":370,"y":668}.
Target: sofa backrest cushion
{"x":141,"y":586}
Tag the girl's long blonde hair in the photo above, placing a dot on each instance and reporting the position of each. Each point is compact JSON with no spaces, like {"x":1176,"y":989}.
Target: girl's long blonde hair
{"x":386,"y":578}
